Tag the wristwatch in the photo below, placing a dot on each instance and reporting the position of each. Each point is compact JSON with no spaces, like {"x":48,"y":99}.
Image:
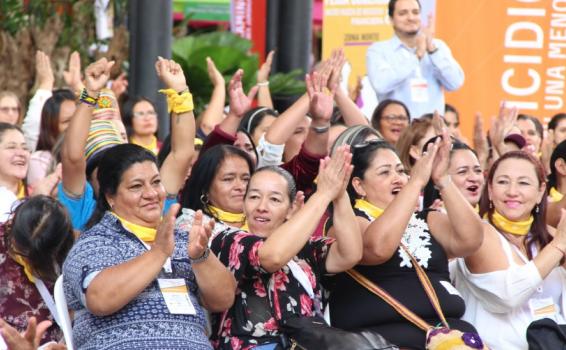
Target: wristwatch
{"x":201,"y":258}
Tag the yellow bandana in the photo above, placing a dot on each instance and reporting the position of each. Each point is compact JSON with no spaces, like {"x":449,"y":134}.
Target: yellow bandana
{"x":152,"y":146}
{"x":146,"y":234}
{"x":477,"y":208}
{"x":227,"y":217}
{"x":520,"y":228}
{"x":554,"y":195}
{"x":25,"y":265}
{"x":368,"y":208}
{"x":176,"y":103}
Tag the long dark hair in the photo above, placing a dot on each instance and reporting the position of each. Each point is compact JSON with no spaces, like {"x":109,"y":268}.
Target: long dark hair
{"x":558,"y":153}
{"x":49,"y":129}
{"x":41,"y":232}
{"x":112,"y":165}
{"x":362,"y":157}
{"x":203,"y":173}
{"x":539,"y":234}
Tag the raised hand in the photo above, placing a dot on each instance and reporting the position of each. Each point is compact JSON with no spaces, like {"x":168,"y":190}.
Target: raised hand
{"x":120,"y":85}
{"x":45,"y":78}
{"x":437,"y":123}
{"x":335,"y":173}
{"x":321,"y":98}
{"x":165,"y":237}
{"x":337,"y":61}
{"x":559,"y":240}
{"x":171,"y":74}
{"x":199,"y":236}
{"x":97,"y":75}
{"x":298,"y":202}
{"x":72,"y":75}
{"x":422,"y":169}
{"x":216,"y":78}
{"x":481,"y":145}
{"x":441,"y":161}
{"x":265,"y":69}
{"x":29,"y":340}
{"x":240,"y":103}
{"x":429,"y":32}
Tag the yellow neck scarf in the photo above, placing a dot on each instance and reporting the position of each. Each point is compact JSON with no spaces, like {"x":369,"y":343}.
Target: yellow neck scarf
{"x":477,"y":208}
{"x":152,"y":146}
{"x":25,"y":265}
{"x":520,"y":228}
{"x":368,"y":208}
{"x":227,"y":217}
{"x":21,"y":190}
{"x":554,"y":195}
{"x":146,"y":234}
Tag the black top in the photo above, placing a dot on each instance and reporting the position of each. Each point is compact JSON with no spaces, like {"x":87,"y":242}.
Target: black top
{"x":353,"y":306}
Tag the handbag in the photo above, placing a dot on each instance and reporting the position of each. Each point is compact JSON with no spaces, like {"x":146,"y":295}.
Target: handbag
{"x":437,"y":338}
{"x":313,"y":333}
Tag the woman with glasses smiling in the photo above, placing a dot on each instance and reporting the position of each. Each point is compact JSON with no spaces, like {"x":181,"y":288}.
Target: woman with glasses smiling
{"x":390,"y":118}
{"x":140,"y":119}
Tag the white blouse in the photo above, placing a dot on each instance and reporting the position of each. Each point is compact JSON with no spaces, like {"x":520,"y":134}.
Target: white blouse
{"x":497,"y":303}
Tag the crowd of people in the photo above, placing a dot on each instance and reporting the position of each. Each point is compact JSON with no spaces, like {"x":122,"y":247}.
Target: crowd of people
{"x":245,"y":222}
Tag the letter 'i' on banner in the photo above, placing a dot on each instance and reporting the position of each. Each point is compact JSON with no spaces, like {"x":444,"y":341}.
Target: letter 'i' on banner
{"x":510,"y":50}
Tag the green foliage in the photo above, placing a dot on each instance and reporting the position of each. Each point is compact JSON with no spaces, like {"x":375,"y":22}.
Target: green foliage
{"x":229,"y":52}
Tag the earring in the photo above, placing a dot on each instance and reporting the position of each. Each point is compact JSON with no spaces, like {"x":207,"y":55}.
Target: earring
{"x":204,"y":199}
{"x":536,"y":209}
{"x":490,"y":204}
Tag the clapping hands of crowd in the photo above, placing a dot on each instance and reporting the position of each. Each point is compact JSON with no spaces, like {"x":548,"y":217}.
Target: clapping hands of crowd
{"x":72,"y":75}
{"x":165,"y":237}
{"x":171,"y":74}
{"x":265,"y":69}
{"x":321,"y":97}
{"x":30,"y":339}
{"x":199,"y":236}
{"x":425,"y":38}
{"x":216,"y":78}
{"x":44,"y":72}
{"x":502,"y":125}
{"x":334,"y":173}
{"x":240,"y":103}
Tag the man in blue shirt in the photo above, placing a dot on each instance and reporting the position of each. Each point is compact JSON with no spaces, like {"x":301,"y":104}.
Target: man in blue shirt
{"x":413,"y":67}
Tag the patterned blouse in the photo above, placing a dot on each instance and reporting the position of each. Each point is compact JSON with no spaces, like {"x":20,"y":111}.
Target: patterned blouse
{"x":145,"y":322}
{"x":19,"y":298}
{"x":252,"y":321}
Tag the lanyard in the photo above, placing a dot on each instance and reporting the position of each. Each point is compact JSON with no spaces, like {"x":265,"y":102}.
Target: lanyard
{"x":48,"y":299}
{"x":303,"y":279}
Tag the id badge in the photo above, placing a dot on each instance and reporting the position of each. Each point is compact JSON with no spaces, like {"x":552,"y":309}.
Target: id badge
{"x":176,"y":296}
{"x":542,"y":308}
{"x":419,"y":90}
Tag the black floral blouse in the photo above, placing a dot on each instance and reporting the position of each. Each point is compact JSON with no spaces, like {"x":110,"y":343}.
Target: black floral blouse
{"x":252,"y":321}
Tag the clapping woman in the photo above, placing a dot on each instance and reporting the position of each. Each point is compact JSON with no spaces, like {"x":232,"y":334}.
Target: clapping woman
{"x":134,"y":281}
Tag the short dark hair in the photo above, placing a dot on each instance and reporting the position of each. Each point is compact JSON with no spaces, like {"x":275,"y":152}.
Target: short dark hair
{"x":558,"y":153}
{"x":49,"y":129}
{"x":557,"y":118}
{"x":391,"y":6}
{"x":40,"y":231}
{"x":203,"y":172}
{"x":449,"y":108}
{"x":378,"y":112}
{"x":536,"y":122}
{"x":112,"y":165}
{"x":253,"y":118}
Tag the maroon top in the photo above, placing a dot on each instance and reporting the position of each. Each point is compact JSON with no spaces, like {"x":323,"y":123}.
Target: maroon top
{"x":303,"y":166}
{"x":19,"y":298}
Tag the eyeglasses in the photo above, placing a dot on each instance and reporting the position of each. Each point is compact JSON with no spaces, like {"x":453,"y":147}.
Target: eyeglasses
{"x":10,"y":109}
{"x":395,"y":118}
{"x":145,"y":114}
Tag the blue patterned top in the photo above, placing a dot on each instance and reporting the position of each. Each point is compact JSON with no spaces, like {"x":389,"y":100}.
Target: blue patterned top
{"x":145,"y":322}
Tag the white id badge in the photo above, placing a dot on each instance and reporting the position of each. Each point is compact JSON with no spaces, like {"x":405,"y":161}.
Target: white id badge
{"x":176,"y":296}
{"x":419,"y":90}
{"x":3,"y":345}
{"x":542,"y":308}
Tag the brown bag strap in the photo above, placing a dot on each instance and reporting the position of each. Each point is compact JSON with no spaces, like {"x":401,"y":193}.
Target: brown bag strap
{"x":394,"y":303}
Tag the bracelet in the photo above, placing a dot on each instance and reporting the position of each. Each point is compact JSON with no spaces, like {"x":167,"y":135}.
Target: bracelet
{"x":320,"y":129}
{"x":85,"y":98}
{"x":201,"y":258}
{"x":264,"y":83}
{"x":178,"y":102}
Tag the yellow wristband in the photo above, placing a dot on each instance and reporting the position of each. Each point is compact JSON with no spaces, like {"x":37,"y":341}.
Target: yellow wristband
{"x":176,"y":103}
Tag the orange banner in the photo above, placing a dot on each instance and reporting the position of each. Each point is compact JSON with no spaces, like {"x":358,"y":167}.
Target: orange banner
{"x":512,"y":50}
